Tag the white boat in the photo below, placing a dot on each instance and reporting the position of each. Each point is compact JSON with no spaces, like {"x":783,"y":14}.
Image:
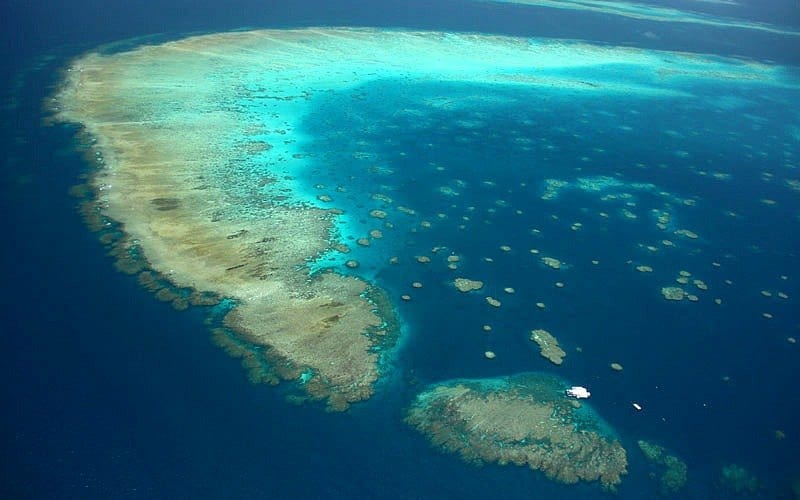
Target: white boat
{"x":578,"y":392}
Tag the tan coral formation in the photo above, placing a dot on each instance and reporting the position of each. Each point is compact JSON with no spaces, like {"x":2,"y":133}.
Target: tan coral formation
{"x":207,"y":237}
{"x":687,"y":233}
{"x":524,"y":420}
{"x":673,"y":293}
{"x":467,"y":285}
{"x":551,"y":262}
{"x":548,"y":346}
{"x":378,"y":214}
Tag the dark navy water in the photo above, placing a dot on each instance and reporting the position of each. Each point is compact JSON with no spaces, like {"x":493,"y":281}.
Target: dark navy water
{"x":111,"y":394}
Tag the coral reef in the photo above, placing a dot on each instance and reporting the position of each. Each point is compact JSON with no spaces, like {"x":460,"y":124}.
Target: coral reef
{"x":525,"y":420}
{"x":548,"y":346}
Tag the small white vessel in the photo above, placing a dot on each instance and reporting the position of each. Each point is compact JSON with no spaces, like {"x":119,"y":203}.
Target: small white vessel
{"x":578,"y":392}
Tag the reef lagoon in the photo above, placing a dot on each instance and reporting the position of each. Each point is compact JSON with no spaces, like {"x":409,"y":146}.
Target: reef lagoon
{"x":347,"y":252}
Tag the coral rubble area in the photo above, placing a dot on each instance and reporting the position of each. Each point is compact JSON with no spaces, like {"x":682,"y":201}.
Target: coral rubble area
{"x":524,"y":419}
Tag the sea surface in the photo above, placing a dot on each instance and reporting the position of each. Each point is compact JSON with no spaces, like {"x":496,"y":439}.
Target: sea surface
{"x":109,"y":393}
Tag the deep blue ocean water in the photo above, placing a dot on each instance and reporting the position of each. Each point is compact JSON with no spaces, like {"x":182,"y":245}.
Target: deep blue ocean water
{"x":110,"y":393}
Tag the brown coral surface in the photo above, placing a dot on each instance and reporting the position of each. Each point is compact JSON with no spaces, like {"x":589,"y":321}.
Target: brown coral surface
{"x":548,"y":346}
{"x":524,"y":419}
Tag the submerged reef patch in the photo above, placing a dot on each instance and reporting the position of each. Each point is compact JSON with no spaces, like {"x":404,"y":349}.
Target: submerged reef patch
{"x":739,"y":481}
{"x":670,"y":469}
{"x":524,"y":419}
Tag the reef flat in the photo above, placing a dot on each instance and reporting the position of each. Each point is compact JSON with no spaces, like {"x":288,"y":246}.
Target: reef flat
{"x":526,"y":420}
{"x":200,"y":142}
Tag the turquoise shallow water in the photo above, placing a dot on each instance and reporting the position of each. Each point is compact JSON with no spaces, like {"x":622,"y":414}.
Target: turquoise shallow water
{"x":155,"y":410}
